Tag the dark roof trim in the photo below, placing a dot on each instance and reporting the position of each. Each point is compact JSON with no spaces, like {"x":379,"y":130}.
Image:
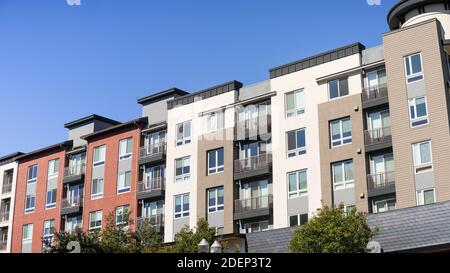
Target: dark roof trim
{"x":141,"y":121}
{"x":162,"y":94}
{"x":204,"y":94}
{"x":89,"y":119}
{"x":9,"y":158}
{"x":155,"y":127}
{"x":315,"y":60}
{"x":396,"y":15}
{"x":66,"y":144}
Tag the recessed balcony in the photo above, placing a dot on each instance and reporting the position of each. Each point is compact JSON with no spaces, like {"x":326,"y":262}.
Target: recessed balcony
{"x":253,"y":207}
{"x":254,"y":166}
{"x":6,"y":188}
{"x":380,"y":138}
{"x":380,"y":183}
{"x":74,"y":174}
{"x":152,"y":153}
{"x":154,"y":221}
{"x":4,"y":216}
{"x":254,"y":128}
{"x":151,"y":188}
{"x":72,"y":205}
{"x":374,"y":96}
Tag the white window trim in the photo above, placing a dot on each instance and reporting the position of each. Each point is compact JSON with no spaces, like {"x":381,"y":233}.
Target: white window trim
{"x":53,"y":174}
{"x":408,"y":77}
{"x":216,"y":167}
{"x":375,"y":207}
{"x":297,"y":111}
{"x":298,"y":151}
{"x":184,"y":140}
{"x":185,"y":176}
{"x":122,"y":190}
{"x":48,"y":236}
{"x":298,"y":193}
{"x":101,"y":162}
{"x":248,"y":226}
{"x":422,"y":193}
{"x":339,"y":90}
{"x":412,"y":102}
{"x":98,"y":195}
{"x":341,"y":130}
{"x":216,"y":207}
{"x":101,"y":220}
{"x":30,"y":238}
{"x":122,"y":210}
{"x":50,"y":205}
{"x":31,"y":209}
{"x":182,"y":212}
{"x":33,"y":180}
{"x":418,"y":166}
{"x":126,"y":155}
{"x":345,"y":184}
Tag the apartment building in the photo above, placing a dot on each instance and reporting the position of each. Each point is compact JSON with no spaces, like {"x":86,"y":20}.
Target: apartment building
{"x":8,"y":178}
{"x":364,"y":127}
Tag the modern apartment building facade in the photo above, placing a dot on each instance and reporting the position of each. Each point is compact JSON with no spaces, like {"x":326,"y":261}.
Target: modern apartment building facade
{"x":363,"y":127}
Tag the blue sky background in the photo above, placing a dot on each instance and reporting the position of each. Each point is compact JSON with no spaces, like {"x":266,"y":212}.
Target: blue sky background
{"x":59,"y":62}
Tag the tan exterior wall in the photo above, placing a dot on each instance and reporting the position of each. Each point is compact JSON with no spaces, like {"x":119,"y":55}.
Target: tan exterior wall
{"x":398,"y":44}
{"x":335,"y":109}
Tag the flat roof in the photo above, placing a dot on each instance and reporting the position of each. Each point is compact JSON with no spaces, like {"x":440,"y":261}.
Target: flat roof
{"x":67,"y":143}
{"x":157,"y":96}
{"x":111,"y":129}
{"x":89,"y":119}
{"x":397,"y":12}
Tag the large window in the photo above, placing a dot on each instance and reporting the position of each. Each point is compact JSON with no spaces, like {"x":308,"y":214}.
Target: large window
{"x":215,"y":161}
{"x":215,"y":199}
{"x":257,"y":227}
{"x":124,"y":182}
{"x":422,"y":157}
{"x":99,"y":155}
{"x":125,"y":148}
{"x":183,"y":169}
{"x":53,"y":168}
{"x":73,"y":222}
{"x":215,"y":121}
{"x":337,"y":88}
{"x":29,"y":203}
{"x":183,"y":133}
{"x":50,"y":199}
{"x":27,"y":234}
{"x":122,"y":215}
{"x":413,"y":68}
{"x":298,"y":220}
{"x":418,"y":112}
{"x":341,"y":132}
{"x":384,"y":205}
{"x":95,"y":220}
{"x":297,"y":182}
{"x":426,"y":197}
{"x":49,"y":230}
{"x":296,"y":141}
{"x":182,"y":205}
{"x":295,"y":103}
{"x":97,"y":188}
{"x":32,"y":174}
{"x":342,"y":173}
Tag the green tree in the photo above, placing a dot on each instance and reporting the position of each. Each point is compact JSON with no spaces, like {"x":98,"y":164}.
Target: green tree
{"x":147,"y":238}
{"x":117,"y":237}
{"x":333,"y":231}
{"x":187,"y":240}
{"x":89,"y":242}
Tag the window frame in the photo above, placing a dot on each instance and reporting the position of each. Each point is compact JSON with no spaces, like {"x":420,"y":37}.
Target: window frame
{"x":184,"y":176}
{"x":420,"y":196}
{"x":51,"y":205}
{"x":344,"y":184}
{"x":97,"y":195}
{"x":127,"y":154}
{"x":51,"y":229}
{"x":420,"y":167}
{"x":298,"y":192}
{"x":342,"y":139}
{"x":184,"y":139}
{"x":124,"y":189}
{"x":298,"y":219}
{"x":122,"y":212}
{"x":32,"y":201}
{"x":413,"y":103}
{"x":55,"y":164}
{"x":298,"y":151}
{"x":218,"y":117}
{"x":217,"y":168}
{"x":216,"y":207}
{"x":298,"y":110}
{"x":183,"y":213}
{"x":95,"y":220}
{"x":375,"y":207}
{"x":32,"y":168}
{"x":339,"y":88}
{"x":413,"y":77}
{"x":99,"y":162}
{"x":28,"y":239}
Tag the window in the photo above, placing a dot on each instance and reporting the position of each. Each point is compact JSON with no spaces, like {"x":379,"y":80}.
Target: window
{"x":183,"y":133}
{"x":183,"y":169}
{"x":125,"y":148}
{"x":297,"y":184}
{"x":49,"y":229}
{"x":422,"y":157}
{"x":298,"y":220}
{"x":348,"y":208}
{"x":341,"y":132}
{"x":215,"y":199}
{"x":29,"y":203}
{"x":384,"y":205}
{"x":27,"y":234}
{"x":215,"y":161}
{"x":32,"y":174}
{"x":53,"y":168}
{"x":296,"y":140}
{"x":257,"y":227}
{"x":122,"y":214}
{"x":99,"y":155}
{"x":425,"y":197}
{"x":181,"y":205}
{"x":337,"y":88}
{"x":97,"y":188}
{"x":413,"y":68}
{"x":219,"y":231}
{"x":418,"y":112}
{"x":73,"y":222}
{"x":342,"y":173}
{"x":215,"y":121}
{"x":295,"y":103}
{"x":95,"y":220}
{"x":124,"y":182}
{"x":50,"y":200}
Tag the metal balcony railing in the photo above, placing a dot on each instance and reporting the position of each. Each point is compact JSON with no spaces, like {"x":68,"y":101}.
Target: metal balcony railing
{"x":154,"y":220}
{"x":253,"y":127}
{"x":252,"y":163}
{"x":72,"y":171}
{"x":4,"y":216}
{"x":374,"y":92}
{"x":380,"y":180}
{"x":379,"y":135}
{"x":150,"y":150}
{"x":152,"y":185}
{"x":76,"y":201}
{"x":6,"y":188}
{"x":255,"y":203}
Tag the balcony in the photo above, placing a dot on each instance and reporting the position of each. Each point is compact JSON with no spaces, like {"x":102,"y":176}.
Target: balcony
{"x":155,"y":221}
{"x":152,"y":153}
{"x":253,"y":129}
{"x":253,"y":166}
{"x":374,"y":96}
{"x":74,"y":174}
{"x":380,"y":184}
{"x":72,"y":205}
{"x":4,"y":216}
{"x":3,"y":245}
{"x":151,"y":189}
{"x":376,"y":139}
{"x":253,"y":207}
{"x":6,"y":188}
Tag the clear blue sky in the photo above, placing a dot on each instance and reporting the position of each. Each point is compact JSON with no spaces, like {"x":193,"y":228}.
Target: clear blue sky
{"x":60,"y":62}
